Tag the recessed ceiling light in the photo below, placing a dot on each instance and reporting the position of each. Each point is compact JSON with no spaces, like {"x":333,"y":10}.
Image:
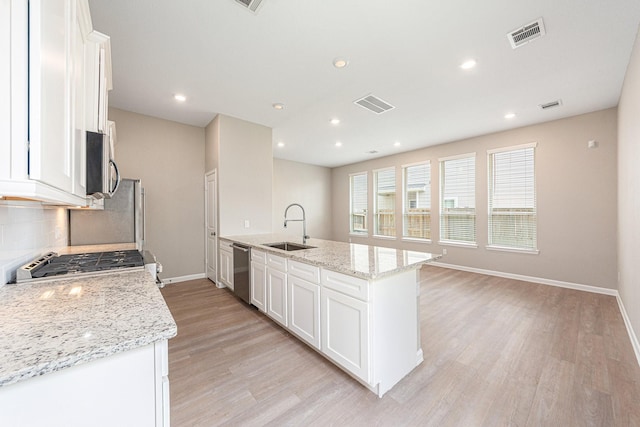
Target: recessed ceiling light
{"x":469,"y":64}
{"x":340,"y":62}
{"x":396,"y":144}
{"x":338,"y":144}
{"x":278,"y":106}
{"x":280,"y":144}
{"x":335,"y":121}
{"x":179,"y":97}
{"x":509,"y":115}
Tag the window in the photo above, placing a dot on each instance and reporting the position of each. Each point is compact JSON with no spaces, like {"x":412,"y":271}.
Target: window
{"x":417,"y":201}
{"x":512,"y":198}
{"x":458,"y":199}
{"x":358,"y":188}
{"x":385,"y":202}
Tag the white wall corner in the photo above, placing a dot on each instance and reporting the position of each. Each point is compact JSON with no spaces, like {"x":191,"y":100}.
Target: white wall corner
{"x":627,"y":322}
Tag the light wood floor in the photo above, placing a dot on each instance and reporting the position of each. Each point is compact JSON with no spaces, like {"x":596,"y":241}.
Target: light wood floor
{"x":498,"y":352}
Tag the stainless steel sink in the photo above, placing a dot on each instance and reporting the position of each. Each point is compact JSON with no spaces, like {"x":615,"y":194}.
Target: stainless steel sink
{"x":288,"y":246}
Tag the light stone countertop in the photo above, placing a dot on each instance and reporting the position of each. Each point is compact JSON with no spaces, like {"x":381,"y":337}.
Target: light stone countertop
{"x":50,"y":325}
{"x":364,"y":261}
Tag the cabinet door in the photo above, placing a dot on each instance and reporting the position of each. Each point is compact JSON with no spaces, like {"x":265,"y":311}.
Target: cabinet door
{"x":277,"y":295}
{"x":345,"y":332}
{"x":50,"y":29}
{"x":78,"y":96}
{"x":226,"y":267}
{"x":259,"y":285}
{"x":304,"y":309}
{"x":5,"y":89}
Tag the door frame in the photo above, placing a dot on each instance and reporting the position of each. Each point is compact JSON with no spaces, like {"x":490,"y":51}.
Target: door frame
{"x":215,"y":224}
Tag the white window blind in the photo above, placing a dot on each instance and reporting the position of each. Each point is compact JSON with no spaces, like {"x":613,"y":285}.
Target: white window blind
{"x":358,"y":214}
{"x":417,"y":201}
{"x":458,"y":199}
{"x":385,"y":202}
{"x":512,"y":198}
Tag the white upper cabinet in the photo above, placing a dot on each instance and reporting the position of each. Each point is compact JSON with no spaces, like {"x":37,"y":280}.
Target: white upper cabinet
{"x":98,"y":82}
{"x":5,"y":89}
{"x":44,"y":97}
{"x":51,"y":48}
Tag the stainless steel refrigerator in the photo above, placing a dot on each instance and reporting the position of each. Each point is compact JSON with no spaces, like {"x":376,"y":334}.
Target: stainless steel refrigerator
{"x":121,"y":221}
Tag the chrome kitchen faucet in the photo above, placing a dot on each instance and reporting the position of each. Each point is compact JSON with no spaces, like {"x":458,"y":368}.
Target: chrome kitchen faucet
{"x":304,"y":221}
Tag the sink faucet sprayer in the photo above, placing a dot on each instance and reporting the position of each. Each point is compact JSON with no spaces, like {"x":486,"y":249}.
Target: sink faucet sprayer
{"x":304,"y":221}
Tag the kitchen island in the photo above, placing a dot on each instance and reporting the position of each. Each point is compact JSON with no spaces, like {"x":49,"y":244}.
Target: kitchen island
{"x":84,"y":351}
{"x":355,"y":304}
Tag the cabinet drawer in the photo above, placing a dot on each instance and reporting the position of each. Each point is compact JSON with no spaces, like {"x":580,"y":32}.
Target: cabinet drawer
{"x":225,"y":245}
{"x":348,"y":285}
{"x":304,"y":271}
{"x":258,"y":256}
{"x":277,"y":262}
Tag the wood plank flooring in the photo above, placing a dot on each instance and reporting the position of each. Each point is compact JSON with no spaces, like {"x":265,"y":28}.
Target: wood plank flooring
{"x":498,"y":352}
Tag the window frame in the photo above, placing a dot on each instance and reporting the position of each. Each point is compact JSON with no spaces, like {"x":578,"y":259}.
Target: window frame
{"x":490,"y":175}
{"x":375,"y":231}
{"x":441,"y":198}
{"x":405,"y":195}
{"x":364,"y":232}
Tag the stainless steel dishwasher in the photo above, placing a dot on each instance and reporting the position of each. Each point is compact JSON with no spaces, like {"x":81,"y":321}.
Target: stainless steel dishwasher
{"x":241,"y":285}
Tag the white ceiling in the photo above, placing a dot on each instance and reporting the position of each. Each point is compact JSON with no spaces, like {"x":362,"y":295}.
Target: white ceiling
{"x":228,"y":60}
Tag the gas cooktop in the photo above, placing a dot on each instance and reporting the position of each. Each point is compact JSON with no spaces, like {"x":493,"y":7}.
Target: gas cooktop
{"x":52,"y":264}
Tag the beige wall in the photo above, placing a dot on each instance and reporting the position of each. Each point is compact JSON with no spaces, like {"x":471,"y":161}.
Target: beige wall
{"x":575,"y":192}
{"x":241,"y":151}
{"x":307,"y":185}
{"x":212,"y":144}
{"x":629,"y":190}
{"x":168,"y":158}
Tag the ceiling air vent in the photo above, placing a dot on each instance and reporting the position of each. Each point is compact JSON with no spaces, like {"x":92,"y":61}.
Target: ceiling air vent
{"x":373,"y":103}
{"x":527,"y":33}
{"x":551,"y":104}
{"x":252,"y":5}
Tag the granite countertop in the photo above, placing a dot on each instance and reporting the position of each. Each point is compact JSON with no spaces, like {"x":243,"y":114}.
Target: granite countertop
{"x":51,"y":325}
{"x":364,"y":261}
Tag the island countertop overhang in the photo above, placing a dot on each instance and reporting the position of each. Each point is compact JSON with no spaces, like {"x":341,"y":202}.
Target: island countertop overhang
{"x":359,"y":260}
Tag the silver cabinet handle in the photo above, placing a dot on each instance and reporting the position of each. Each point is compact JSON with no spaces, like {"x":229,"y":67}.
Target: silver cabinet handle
{"x":115,"y":167}
{"x":240,"y":248}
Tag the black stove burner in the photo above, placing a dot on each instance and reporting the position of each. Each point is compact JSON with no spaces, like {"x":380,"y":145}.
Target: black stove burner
{"x":90,"y":262}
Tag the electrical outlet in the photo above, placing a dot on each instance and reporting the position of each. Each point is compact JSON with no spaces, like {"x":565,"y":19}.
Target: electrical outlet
{"x":246,"y":223}
{"x":444,"y":252}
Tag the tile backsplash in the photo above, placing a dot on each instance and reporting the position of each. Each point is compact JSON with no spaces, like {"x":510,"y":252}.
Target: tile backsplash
{"x":27,"y":230}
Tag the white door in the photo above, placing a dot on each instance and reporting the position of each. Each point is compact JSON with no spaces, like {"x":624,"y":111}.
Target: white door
{"x":211,"y":226}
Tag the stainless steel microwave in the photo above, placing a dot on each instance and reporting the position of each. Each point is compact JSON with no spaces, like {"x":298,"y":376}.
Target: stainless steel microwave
{"x":103,"y":177}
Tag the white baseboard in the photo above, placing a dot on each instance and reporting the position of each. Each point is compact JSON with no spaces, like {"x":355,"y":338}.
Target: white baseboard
{"x":550,"y":282}
{"x":586,"y":288}
{"x":183,"y":278}
{"x":632,"y":335}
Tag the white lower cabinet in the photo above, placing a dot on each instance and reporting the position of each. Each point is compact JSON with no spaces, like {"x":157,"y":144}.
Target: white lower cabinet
{"x":226,"y":264}
{"x":345,"y":332}
{"x":369,"y":328}
{"x":304,"y":309}
{"x":277,"y":295}
{"x":126,"y":389}
{"x":258,"y":280}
